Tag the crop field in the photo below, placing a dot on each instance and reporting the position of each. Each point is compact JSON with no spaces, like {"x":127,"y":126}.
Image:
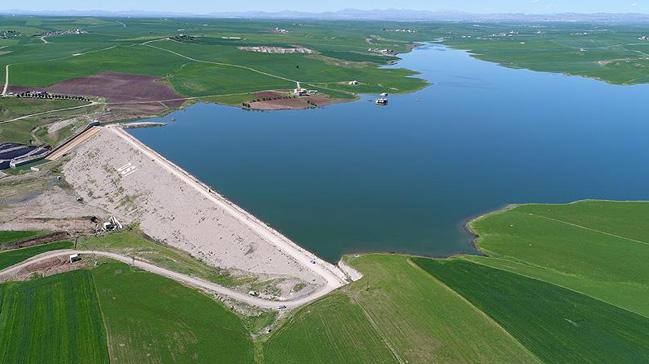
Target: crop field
{"x":12,"y":236}
{"x":556,"y":324}
{"x":599,"y":248}
{"x":612,"y":53}
{"x":342,"y":330}
{"x":194,"y":59}
{"x":52,"y":320}
{"x":200,"y":59}
{"x":559,"y":283}
{"x":153,"y":319}
{"x":208,"y":53}
{"x":402,"y":313}
{"x":11,"y":257}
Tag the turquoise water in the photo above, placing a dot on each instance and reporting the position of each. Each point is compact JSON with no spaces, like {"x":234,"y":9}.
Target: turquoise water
{"x":356,"y":177}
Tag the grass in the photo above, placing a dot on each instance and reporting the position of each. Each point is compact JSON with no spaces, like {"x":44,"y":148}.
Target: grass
{"x":558,"y":283}
{"x":14,"y":236}
{"x":52,"y":320}
{"x":211,"y":68}
{"x":153,"y":319}
{"x":556,"y":324}
{"x":342,"y":54}
{"x":32,"y":130}
{"x":12,"y":257}
{"x":11,"y":108}
{"x":396,"y":310}
{"x":132,"y":242}
{"x":332,"y":331}
{"x":611,"y":53}
{"x":599,"y":248}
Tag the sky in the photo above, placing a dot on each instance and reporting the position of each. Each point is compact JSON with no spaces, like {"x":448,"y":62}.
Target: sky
{"x":210,"y":6}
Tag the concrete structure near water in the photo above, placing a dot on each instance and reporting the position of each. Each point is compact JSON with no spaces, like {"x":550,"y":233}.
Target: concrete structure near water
{"x":13,"y":154}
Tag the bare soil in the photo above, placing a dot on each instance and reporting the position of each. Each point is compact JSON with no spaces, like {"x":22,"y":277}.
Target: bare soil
{"x":114,"y":176}
{"x":41,"y":201}
{"x":125,"y":92}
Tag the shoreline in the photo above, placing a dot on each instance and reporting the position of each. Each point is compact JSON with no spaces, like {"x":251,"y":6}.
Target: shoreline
{"x":332,"y":275}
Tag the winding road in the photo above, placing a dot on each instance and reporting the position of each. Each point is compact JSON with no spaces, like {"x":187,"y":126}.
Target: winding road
{"x":10,"y":272}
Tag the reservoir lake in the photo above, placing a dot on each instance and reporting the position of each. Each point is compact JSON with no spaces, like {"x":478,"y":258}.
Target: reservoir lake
{"x":357,"y":177}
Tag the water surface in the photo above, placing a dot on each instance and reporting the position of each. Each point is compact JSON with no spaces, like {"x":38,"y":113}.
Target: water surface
{"x":357,"y":177}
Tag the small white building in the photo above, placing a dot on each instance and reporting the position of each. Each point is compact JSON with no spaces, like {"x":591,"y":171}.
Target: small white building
{"x":299,"y":91}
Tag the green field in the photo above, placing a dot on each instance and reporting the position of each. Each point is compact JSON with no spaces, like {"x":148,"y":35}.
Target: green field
{"x":11,"y":257}
{"x":566,"y":282}
{"x":599,"y":248}
{"x":341,"y":330}
{"x":612,"y":53}
{"x":208,"y":64}
{"x":211,"y":68}
{"x":153,"y":319}
{"x":558,"y":284}
{"x":113,"y":311}
{"x":208,"y":68}
{"x":13,"y":236}
{"x":398,"y":311}
{"x":556,"y":324}
{"x":52,"y":320}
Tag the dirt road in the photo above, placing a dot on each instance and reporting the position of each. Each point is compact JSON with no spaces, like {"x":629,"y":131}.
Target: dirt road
{"x":10,"y":272}
{"x":6,"y":86}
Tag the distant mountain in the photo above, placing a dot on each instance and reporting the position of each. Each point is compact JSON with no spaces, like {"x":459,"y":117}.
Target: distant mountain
{"x":356,"y":14}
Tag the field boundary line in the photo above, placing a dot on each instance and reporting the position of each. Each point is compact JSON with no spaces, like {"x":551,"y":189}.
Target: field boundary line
{"x":526,"y":275}
{"x":103,"y":319}
{"x":316,"y":84}
{"x":218,"y":63}
{"x":590,"y":229}
{"x":476,"y":309}
{"x":50,"y":111}
{"x":385,"y":340}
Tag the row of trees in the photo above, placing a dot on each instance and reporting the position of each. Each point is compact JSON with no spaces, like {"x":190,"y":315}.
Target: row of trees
{"x":48,"y":96}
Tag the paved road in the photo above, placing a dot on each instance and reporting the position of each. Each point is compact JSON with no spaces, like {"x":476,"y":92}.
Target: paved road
{"x":10,"y":272}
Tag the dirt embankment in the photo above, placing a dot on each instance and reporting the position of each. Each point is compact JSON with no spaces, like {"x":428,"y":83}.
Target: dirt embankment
{"x":112,"y":174}
{"x":41,"y":240}
{"x":42,"y":201}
